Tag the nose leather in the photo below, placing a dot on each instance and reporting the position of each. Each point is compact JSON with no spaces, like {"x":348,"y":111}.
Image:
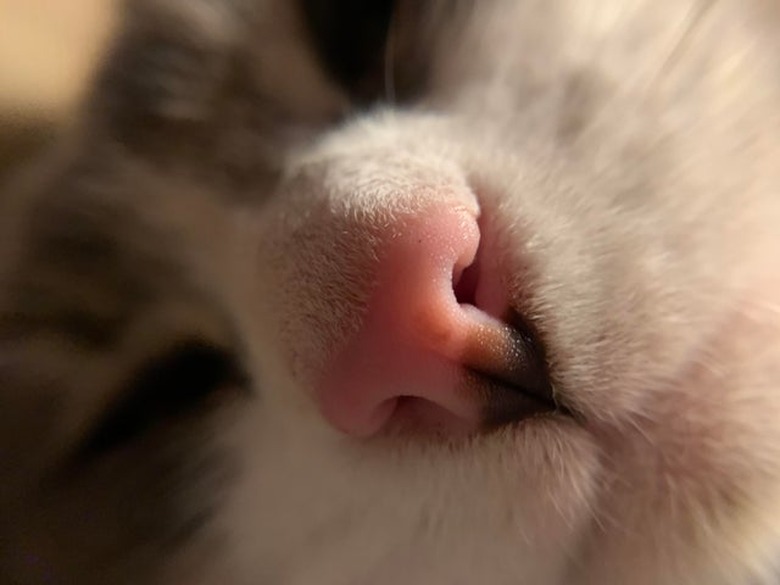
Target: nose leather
{"x":416,"y":337}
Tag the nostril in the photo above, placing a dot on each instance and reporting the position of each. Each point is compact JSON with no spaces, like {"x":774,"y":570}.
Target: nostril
{"x":479,"y":283}
{"x":464,"y":285}
{"x":466,"y":279}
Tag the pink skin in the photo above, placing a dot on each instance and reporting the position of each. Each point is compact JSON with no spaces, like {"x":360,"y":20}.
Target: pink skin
{"x":416,"y":337}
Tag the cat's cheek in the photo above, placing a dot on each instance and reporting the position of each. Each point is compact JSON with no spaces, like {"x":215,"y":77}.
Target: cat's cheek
{"x":699,"y":455}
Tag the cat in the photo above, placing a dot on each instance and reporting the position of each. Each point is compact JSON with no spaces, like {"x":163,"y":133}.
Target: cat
{"x":441,"y":292}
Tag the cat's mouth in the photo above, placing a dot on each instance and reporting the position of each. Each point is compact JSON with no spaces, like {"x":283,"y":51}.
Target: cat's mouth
{"x":506,"y":362}
{"x":516,"y":385}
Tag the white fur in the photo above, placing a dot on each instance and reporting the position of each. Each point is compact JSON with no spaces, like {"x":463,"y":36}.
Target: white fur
{"x":625,"y":156}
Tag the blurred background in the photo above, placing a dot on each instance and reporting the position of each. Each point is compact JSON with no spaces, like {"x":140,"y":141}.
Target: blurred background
{"x":48,"y":49}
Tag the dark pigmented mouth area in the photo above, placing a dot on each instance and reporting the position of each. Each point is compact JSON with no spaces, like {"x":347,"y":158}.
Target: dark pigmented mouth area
{"x":521,"y":387}
{"x":513,"y":377}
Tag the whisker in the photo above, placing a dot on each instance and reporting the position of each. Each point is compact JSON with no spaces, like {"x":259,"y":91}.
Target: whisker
{"x":689,"y":26}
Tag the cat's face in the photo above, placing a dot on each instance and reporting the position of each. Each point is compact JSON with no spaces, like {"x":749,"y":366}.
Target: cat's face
{"x":432,"y":293}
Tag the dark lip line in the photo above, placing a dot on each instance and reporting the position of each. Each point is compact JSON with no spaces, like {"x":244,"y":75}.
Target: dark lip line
{"x":536,"y":336}
{"x":548,"y":398}
{"x":506,"y":404}
{"x":524,"y":371}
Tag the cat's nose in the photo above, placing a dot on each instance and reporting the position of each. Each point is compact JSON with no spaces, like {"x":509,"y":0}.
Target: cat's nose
{"x":427,"y":354}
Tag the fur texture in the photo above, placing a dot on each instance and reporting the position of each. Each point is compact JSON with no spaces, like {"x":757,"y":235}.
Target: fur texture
{"x":214,"y":217}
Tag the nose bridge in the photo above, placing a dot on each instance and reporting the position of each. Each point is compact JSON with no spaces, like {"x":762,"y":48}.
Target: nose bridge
{"x":388,"y":160}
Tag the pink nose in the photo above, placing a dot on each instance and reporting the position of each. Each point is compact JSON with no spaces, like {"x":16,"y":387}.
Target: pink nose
{"x":422,"y":355}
